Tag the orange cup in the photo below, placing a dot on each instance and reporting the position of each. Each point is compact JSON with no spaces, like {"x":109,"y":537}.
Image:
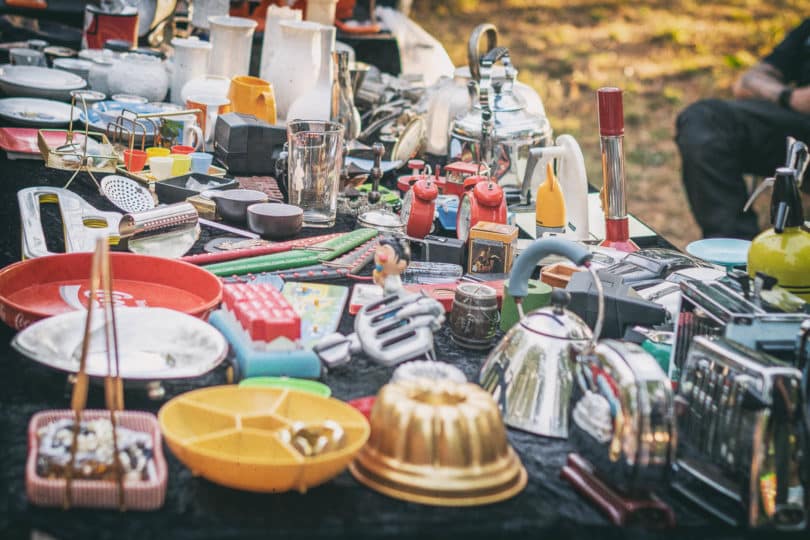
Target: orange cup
{"x":210,"y":108}
{"x":134,"y":160}
{"x":252,"y":95}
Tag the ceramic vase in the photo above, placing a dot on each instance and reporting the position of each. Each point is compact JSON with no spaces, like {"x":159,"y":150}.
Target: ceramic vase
{"x":296,"y":61}
{"x":208,"y":8}
{"x":139,"y":74}
{"x":231,"y":43}
{"x":317,"y":104}
{"x":190,"y":62}
{"x":272,"y":35}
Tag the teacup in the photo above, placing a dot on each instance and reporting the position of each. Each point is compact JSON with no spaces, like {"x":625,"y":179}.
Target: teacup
{"x":210,"y":108}
{"x":182,"y":130}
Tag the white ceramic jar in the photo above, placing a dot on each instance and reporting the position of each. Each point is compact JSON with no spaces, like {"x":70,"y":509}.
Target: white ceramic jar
{"x":208,"y":8}
{"x":208,"y":85}
{"x":190,"y":62}
{"x":272,"y":35}
{"x":138,"y":74}
{"x":231,"y":42}
{"x":297,"y":59}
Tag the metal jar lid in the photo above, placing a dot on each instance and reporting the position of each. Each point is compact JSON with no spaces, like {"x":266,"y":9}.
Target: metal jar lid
{"x":382,"y":220}
{"x":476,"y":294}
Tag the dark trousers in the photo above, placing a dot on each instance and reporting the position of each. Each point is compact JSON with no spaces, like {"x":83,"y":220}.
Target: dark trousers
{"x":720,"y":141}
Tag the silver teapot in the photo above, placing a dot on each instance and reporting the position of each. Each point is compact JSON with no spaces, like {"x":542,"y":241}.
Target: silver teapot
{"x":531,"y":371}
{"x":498,"y":127}
{"x":449,"y":97}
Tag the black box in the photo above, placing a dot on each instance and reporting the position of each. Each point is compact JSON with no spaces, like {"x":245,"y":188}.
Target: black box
{"x":246,"y":145}
{"x":440,"y":249}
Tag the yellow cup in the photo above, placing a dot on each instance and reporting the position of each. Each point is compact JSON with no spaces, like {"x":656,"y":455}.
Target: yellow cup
{"x":156,"y":151}
{"x":252,"y":95}
{"x":181,"y":164}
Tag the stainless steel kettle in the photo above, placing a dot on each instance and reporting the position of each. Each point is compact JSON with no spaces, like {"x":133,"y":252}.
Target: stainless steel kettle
{"x":449,"y":98}
{"x":531,"y":371}
{"x":498,"y":127}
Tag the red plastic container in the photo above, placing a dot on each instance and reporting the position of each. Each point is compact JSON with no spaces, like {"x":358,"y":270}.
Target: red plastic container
{"x":262,"y":311}
{"x":34,"y":289}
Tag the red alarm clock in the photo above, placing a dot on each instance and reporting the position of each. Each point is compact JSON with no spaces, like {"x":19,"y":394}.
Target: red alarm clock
{"x":483,"y":200}
{"x":419,"y":207}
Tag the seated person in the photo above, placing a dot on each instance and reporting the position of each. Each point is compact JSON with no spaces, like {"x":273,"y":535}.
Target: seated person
{"x":721,"y":140}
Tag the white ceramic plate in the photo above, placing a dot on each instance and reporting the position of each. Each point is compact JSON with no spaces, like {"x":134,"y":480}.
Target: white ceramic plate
{"x":34,"y":112}
{"x":153,"y":343}
{"x":32,"y":81}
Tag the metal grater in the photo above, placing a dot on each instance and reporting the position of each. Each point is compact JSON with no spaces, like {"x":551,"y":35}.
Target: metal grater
{"x":706,"y":308}
{"x":741,"y":435}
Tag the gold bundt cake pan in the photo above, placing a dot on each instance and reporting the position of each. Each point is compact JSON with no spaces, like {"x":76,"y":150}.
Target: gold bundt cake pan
{"x":440,"y":443}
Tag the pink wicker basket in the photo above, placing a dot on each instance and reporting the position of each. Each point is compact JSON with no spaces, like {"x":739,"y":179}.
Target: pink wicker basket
{"x":147,"y":495}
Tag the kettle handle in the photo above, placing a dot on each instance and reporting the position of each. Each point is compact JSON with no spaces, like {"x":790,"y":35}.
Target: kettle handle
{"x":474,"y":44}
{"x":576,"y":253}
{"x":538,"y":250}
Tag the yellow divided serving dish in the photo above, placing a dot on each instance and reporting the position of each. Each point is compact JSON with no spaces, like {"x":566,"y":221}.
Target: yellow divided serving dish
{"x":230,"y":435}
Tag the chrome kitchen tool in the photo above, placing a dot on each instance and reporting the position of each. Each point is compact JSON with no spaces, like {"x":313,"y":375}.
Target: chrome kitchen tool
{"x":623,"y":427}
{"x":126,"y":194}
{"x":397,"y":328}
{"x":166,"y":231}
{"x":531,"y":371}
{"x":614,"y":189}
{"x":742,"y":439}
{"x":82,"y":223}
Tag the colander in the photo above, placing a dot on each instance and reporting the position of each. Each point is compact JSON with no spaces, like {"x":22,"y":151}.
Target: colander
{"x":127,"y":194}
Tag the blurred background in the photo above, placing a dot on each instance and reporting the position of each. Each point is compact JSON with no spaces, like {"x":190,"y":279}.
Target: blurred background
{"x":665,"y":54}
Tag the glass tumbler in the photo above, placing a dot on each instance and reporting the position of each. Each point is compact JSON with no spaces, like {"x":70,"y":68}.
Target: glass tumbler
{"x":314,"y":162}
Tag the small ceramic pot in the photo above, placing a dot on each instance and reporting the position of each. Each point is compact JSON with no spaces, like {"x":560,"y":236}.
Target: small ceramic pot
{"x":233,"y":203}
{"x":474,"y":318}
{"x":275,"y":220}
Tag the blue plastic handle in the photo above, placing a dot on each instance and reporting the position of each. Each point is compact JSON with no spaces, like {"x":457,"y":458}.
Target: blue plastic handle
{"x":528,"y":259}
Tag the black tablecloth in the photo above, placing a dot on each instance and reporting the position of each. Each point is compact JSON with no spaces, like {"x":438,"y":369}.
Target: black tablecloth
{"x":196,"y":508}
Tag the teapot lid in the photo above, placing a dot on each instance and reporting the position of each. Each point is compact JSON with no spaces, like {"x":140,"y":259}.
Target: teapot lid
{"x":556,"y":321}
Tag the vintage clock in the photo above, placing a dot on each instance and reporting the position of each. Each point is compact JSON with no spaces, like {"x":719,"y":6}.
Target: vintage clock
{"x":419,"y":207}
{"x":483,"y":200}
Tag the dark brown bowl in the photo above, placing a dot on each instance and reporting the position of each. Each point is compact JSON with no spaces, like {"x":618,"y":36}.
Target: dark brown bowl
{"x":275,"y":220}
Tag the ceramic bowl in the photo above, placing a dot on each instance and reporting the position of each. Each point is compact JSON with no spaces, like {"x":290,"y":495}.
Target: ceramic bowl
{"x":439,"y":442}
{"x":275,"y":220}
{"x":41,"y":82}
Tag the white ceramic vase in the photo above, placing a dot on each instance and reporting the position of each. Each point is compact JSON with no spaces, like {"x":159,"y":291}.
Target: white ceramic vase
{"x":296,"y":61}
{"x":272,"y":35}
{"x":190,"y":62}
{"x":231,"y":43}
{"x":208,"y":85}
{"x":317,"y":103}
{"x":208,"y":8}
{"x":139,"y":74}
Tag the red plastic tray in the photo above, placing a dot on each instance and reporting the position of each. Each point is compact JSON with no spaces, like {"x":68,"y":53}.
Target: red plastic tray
{"x":34,"y":289}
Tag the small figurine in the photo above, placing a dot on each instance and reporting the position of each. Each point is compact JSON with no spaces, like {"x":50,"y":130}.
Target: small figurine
{"x":390,"y":260}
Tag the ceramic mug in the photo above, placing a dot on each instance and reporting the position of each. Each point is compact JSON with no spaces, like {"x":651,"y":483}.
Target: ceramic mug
{"x":252,"y":95}
{"x":210,"y":108}
{"x":182,"y":130}
{"x":161,"y":166}
{"x":181,"y":164}
{"x":201,"y":162}
{"x":26,"y":57}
